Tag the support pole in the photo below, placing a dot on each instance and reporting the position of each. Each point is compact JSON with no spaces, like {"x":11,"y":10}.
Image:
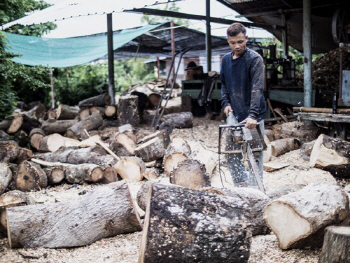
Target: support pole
{"x":111,"y":86}
{"x":52,"y":90}
{"x":208,"y":34}
{"x":284,"y":36}
{"x":307,"y":53}
{"x":172,"y":44}
{"x":158,"y":68}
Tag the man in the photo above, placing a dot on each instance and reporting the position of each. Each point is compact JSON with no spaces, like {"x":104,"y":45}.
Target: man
{"x":242,"y":85}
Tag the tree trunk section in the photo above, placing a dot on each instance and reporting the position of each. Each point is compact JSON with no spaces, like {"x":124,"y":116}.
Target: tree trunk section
{"x":36,"y":135}
{"x":127,"y":110}
{"x":53,"y":142}
{"x":151,"y":150}
{"x":16,"y":124}
{"x":180,"y":226}
{"x":55,"y":175}
{"x":282,"y":146}
{"x":99,"y":100}
{"x":303,"y":132}
{"x":124,"y":144}
{"x":154,"y":98}
{"x":130,"y":168}
{"x":23,"y":155}
{"x":177,"y":120}
{"x":298,"y":219}
{"x":270,"y":135}
{"x":91,"y":123}
{"x":190,"y":174}
{"x":331,"y":154}
{"x":30,"y":176}
{"x":110,"y":111}
{"x":51,"y":115}
{"x":336,"y":245}
{"x":65,"y":112}
{"x":5,"y":177}
{"x":60,"y":126}
{"x":75,"y":155}
{"x":104,"y":212}
{"x":177,"y":151}
{"x":110,"y":175}
{"x":23,"y":122}
{"x":9,"y":151}
{"x":84,"y":113}
{"x":208,"y":158}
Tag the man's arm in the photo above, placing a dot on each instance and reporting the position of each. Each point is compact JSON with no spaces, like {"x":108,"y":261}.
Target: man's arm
{"x":257,"y":78}
{"x":225,"y":101}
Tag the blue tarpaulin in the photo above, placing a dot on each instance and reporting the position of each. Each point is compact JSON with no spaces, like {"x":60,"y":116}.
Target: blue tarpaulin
{"x":66,"y":52}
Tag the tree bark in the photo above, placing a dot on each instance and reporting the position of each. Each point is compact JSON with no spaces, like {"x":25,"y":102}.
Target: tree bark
{"x":282,"y":146}
{"x":336,"y":245}
{"x":65,"y":112}
{"x":30,"y":176}
{"x":90,"y":123}
{"x":79,"y":222}
{"x":60,"y":126}
{"x":177,"y":120}
{"x":99,"y":100}
{"x":331,"y":154}
{"x":5,"y":177}
{"x":183,"y":225}
{"x":127,"y":110}
{"x":190,"y":174}
{"x":131,"y":168}
{"x":75,"y":155}
{"x":270,"y":135}
{"x":9,"y":151}
{"x":53,"y":142}
{"x":298,"y":219}
{"x":177,"y":151}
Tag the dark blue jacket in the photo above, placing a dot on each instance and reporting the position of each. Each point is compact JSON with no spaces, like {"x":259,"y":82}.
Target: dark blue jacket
{"x":242,"y":85}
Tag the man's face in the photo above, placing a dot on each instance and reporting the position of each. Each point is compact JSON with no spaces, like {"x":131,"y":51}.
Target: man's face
{"x":238,"y":43}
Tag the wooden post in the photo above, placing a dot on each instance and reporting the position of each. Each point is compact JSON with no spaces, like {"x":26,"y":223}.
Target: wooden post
{"x":158,"y":67}
{"x":208,"y":34}
{"x":111,"y":86}
{"x":52,"y":90}
{"x":172,"y":44}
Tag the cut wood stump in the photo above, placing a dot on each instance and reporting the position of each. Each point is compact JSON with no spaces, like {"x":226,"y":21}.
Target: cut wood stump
{"x":30,"y":176}
{"x":53,"y":142}
{"x":190,"y":174}
{"x":130,"y":168}
{"x":127,"y":110}
{"x":99,"y":100}
{"x":331,"y":154}
{"x":336,"y":245}
{"x":5,"y":177}
{"x":298,"y":219}
{"x":65,"y":112}
{"x":183,"y":225}
{"x":104,"y":212}
{"x":77,"y":131}
{"x":177,"y":151}
{"x":54,"y":126}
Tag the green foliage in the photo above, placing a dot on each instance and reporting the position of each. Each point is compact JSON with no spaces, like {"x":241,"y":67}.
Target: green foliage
{"x":149,"y":19}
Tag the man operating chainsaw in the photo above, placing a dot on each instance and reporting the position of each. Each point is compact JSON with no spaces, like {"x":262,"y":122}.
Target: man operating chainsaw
{"x":242,"y":85}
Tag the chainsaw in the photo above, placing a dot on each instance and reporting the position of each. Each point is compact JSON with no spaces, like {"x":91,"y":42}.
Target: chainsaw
{"x":242,"y":136}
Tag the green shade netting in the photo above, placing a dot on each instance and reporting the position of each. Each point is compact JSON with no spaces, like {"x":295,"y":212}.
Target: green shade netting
{"x":66,"y":52}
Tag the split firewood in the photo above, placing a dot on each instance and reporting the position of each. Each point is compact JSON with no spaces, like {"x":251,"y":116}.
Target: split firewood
{"x":65,"y":224}
{"x":99,"y":100}
{"x":336,"y":245}
{"x":267,"y":153}
{"x":170,"y":210}
{"x":331,"y":154}
{"x":177,"y":151}
{"x":36,"y":135}
{"x":306,"y":213}
{"x":55,"y":175}
{"x":124,"y":144}
{"x":306,"y":149}
{"x":5,"y":177}
{"x":65,"y":112}
{"x":274,"y":166}
{"x":127,"y":110}
{"x":53,"y":142}
{"x":130,"y":168}
{"x":9,"y":151}
{"x":76,"y":155}
{"x":150,"y":174}
{"x":23,"y":122}
{"x":153,"y":146}
{"x":110,"y":175}
{"x":57,"y":126}
{"x":91,"y":123}
{"x":282,"y":146}
{"x":30,"y":176}
{"x":253,"y":209}
{"x":110,"y":111}
{"x":190,"y":174}
{"x":177,"y":120}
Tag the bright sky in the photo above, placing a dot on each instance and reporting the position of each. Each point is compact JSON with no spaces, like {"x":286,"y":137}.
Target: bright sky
{"x":98,"y":23}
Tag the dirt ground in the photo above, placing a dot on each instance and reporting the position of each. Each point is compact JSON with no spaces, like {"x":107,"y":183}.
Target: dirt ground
{"x":125,"y":248}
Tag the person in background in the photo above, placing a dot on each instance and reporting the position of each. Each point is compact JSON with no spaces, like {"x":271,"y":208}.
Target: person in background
{"x":242,"y":85}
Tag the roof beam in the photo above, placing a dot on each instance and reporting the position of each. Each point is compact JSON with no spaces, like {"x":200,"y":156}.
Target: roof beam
{"x":198,"y":17}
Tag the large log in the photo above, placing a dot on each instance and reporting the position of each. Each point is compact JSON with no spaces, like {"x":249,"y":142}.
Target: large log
{"x":177,"y":120}
{"x":53,"y":142}
{"x":282,"y":146}
{"x":331,"y":154}
{"x":30,"y":176}
{"x":110,"y":111}
{"x":183,"y":225}
{"x":190,"y":174}
{"x":23,"y":122}
{"x":177,"y":151}
{"x":65,"y":112}
{"x":99,"y":100}
{"x":127,"y":110}
{"x":298,"y":219}
{"x":5,"y":177}
{"x":77,"y":131}
{"x":105,"y":212}
{"x":206,"y":157}
{"x":55,"y":175}
{"x":303,"y":132}
{"x":75,"y":155}
{"x":59,"y":126}
{"x":336,"y":245}
{"x":154,"y":148}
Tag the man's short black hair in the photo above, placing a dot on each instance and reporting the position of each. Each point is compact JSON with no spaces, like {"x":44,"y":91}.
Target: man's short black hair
{"x":236,"y":28}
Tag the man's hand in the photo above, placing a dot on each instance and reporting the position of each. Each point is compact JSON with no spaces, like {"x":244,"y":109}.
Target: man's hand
{"x":249,"y":123}
{"x":227,"y":110}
